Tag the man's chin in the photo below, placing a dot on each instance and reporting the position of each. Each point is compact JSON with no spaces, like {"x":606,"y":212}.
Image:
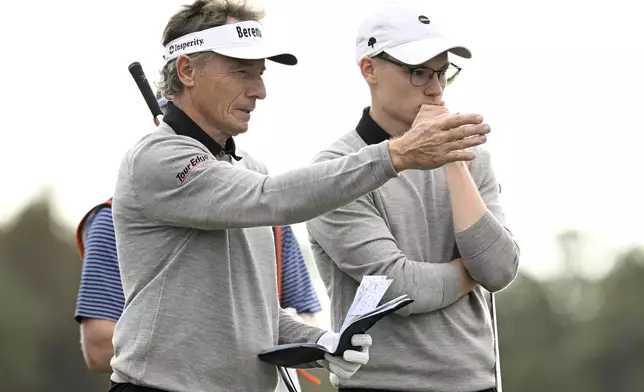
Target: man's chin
{"x":243,"y":126}
{"x":238,"y":127}
{"x":238,"y":131}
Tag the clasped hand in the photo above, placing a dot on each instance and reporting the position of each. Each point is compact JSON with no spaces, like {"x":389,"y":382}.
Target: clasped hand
{"x":347,"y":365}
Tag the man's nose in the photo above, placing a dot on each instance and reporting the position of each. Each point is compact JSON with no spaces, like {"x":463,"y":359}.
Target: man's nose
{"x":433,"y":87}
{"x":258,"y":90}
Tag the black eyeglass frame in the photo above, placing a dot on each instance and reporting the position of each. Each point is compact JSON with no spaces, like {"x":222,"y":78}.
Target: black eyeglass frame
{"x":411,"y":69}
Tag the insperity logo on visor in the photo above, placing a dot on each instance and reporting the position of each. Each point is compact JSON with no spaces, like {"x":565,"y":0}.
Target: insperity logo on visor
{"x":241,"y":34}
{"x":182,"y":46}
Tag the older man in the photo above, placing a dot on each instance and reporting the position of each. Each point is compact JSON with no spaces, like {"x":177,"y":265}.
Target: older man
{"x":100,"y":297}
{"x":192,"y":214}
{"x":439,"y":233}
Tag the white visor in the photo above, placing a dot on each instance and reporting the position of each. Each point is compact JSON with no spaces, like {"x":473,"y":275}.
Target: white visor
{"x":242,"y":40}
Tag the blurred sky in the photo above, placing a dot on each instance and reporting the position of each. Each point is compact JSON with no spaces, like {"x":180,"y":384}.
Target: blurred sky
{"x":559,"y":82}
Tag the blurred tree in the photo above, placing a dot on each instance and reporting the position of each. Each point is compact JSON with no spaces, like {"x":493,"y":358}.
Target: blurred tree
{"x":39,"y":275}
{"x":616,"y":360}
{"x":573,"y":334}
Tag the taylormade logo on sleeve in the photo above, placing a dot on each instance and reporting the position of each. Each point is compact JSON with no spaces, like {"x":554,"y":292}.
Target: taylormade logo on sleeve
{"x":181,"y":46}
{"x":182,"y":176}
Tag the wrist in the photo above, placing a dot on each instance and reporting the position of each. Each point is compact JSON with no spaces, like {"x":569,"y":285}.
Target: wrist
{"x":396,"y":155}
{"x":455,"y":166}
{"x":456,"y":173}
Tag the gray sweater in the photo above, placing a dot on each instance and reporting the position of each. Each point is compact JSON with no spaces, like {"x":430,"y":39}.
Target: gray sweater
{"x":404,"y":230}
{"x":197,"y":259}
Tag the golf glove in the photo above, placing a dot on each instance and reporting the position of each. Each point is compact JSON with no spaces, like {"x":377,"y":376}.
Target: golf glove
{"x":347,"y":365}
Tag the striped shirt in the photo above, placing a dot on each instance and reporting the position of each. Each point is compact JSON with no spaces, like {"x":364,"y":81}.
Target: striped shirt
{"x":101,"y":294}
{"x":297,"y":289}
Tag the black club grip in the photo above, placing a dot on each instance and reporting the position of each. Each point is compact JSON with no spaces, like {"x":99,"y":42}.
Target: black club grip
{"x":144,"y":86}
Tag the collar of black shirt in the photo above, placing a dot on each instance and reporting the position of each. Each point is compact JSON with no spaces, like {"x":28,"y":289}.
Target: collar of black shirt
{"x":183,"y":125}
{"x":369,"y":130}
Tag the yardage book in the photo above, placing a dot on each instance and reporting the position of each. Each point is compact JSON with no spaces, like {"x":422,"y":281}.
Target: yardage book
{"x":363,"y":314}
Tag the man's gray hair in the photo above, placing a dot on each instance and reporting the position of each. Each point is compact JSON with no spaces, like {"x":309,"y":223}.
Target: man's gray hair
{"x":200,"y":15}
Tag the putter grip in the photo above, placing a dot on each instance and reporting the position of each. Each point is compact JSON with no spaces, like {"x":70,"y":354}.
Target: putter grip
{"x":142,"y":82}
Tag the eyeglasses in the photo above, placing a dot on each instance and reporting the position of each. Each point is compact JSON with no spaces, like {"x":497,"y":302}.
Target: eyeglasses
{"x":420,"y":76}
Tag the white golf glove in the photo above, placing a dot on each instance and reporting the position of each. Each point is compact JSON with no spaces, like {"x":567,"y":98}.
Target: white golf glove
{"x":349,"y":363}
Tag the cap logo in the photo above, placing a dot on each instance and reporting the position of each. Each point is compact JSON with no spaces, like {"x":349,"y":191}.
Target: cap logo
{"x":372,"y":42}
{"x":423,"y":19}
{"x":249,"y":32}
{"x":183,"y":45}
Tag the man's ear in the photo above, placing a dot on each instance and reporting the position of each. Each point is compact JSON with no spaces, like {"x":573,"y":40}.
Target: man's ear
{"x":368,"y":69}
{"x":186,"y":70}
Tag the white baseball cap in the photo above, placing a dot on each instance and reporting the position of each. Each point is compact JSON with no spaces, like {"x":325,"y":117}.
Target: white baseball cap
{"x":242,"y":40}
{"x":406,"y":31}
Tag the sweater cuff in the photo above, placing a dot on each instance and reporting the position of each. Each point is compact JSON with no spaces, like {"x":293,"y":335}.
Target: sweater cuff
{"x":477,"y":238}
{"x":383,"y":167}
